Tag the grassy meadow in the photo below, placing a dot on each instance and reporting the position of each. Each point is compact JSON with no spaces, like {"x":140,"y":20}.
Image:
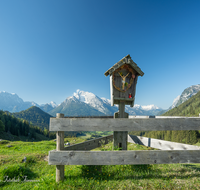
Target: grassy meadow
{"x":40,"y":175}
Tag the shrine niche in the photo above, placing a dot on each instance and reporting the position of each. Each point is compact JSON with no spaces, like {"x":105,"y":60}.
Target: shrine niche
{"x":123,"y":80}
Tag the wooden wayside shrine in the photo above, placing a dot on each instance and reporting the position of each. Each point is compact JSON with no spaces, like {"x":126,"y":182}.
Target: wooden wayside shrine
{"x":123,"y":79}
{"x":122,"y":93}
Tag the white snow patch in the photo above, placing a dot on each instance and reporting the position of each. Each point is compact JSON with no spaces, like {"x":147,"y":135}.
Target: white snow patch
{"x":53,"y":104}
{"x":91,"y":99}
{"x":175,"y":102}
{"x":108,"y":101}
{"x":150,"y":107}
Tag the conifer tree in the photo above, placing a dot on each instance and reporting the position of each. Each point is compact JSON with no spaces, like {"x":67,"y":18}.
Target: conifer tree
{"x":2,"y":127}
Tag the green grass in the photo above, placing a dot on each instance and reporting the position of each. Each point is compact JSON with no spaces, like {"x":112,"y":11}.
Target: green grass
{"x":9,"y":136}
{"x":95,"y":134}
{"x":163,"y":176}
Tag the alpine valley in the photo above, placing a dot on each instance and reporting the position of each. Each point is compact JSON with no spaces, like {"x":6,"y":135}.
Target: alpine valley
{"x":83,"y":103}
{"x":21,"y":120}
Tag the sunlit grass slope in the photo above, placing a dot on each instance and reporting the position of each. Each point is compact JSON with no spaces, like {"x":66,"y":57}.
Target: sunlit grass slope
{"x":42,"y":176}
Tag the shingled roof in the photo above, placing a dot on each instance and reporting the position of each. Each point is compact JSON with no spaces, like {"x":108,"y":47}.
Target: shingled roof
{"x":126,"y":60}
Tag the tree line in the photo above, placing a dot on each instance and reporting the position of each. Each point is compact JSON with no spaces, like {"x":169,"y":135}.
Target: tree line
{"x":186,"y":137}
{"x":21,"y":127}
{"x":189,"y":108}
{"x":34,"y":115}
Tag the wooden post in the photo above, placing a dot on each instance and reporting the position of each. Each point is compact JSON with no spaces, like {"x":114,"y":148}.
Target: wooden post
{"x":120,"y":137}
{"x":60,"y":146}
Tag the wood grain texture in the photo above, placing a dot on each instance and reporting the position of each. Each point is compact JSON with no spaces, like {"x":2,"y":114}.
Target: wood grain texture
{"x":120,"y":137}
{"x":60,"y":140}
{"x":160,"y":144}
{"x":127,"y":59}
{"x":123,"y":124}
{"x":91,"y":144}
{"x":111,"y":92}
{"x":117,"y":96}
{"x":60,"y":146}
{"x":123,"y":157}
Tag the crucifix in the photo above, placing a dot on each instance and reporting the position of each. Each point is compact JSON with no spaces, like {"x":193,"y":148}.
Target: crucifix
{"x":123,"y":80}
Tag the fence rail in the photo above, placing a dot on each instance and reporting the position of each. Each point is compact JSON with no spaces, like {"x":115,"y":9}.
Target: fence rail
{"x":124,"y":124}
{"x":123,"y":157}
{"x":90,"y":144}
{"x":181,"y":153}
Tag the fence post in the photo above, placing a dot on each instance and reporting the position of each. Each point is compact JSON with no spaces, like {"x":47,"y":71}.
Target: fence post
{"x":60,"y":146}
{"x":120,"y":138}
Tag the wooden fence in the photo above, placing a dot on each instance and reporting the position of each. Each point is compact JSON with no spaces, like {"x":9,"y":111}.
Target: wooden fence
{"x":79,"y":155}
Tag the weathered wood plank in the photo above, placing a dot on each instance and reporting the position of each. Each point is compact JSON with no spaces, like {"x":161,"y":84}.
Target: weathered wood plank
{"x":123,"y":157}
{"x":91,"y":144}
{"x":160,"y":144}
{"x":123,"y":124}
{"x":111,"y":92}
{"x":60,"y":146}
{"x":158,"y":117}
{"x":120,"y":137}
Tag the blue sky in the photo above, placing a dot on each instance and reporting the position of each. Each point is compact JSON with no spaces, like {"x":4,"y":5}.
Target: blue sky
{"x":49,"y":49}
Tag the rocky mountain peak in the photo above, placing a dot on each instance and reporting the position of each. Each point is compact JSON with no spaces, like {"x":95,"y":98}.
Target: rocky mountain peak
{"x":186,"y":94}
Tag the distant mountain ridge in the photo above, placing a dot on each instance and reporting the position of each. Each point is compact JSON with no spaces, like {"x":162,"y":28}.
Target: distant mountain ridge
{"x":13,"y":103}
{"x":73,"y":107}
{"x":188,"y":93}
{"x":80,"y":103}
{"x":190,"y":107}
{"x":48,"y":107}
{"x":174,"y":102}
{"x":143,"y":110}
{"x":102,"y":105}
{"x":185,"y":95}
{"x":88,"y":104}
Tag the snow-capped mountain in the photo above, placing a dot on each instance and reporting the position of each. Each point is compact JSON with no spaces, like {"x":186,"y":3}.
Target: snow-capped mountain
{"x":81,"y":103}
{"x":106,"y":100}
{"x":53,"y":104}
{"x":147,"y":108}
{"x":74,"y":107}
{"x":89,"y":98}
{"x":95,"y":102}
{"x":174,"y":102}
{"x":48,"y":106}
{"x":89,"y":102}
{"x":143,"y":110}
{"x":13,"y":103}
{"x":186,"y":94}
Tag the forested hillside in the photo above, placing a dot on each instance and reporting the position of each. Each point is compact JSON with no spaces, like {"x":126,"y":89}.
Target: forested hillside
{"x":34,"y":115}
{"x":28,"y":123}
{"x":186,"y":137}
{"x":20,"y":127}
{"x":189,"y":108}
